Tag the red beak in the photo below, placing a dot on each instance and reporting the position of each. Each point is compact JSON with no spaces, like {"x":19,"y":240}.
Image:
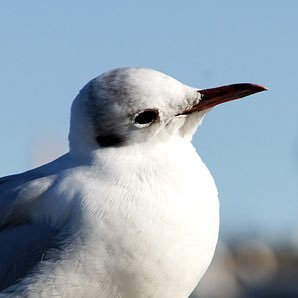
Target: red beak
{"x":214,"y":96}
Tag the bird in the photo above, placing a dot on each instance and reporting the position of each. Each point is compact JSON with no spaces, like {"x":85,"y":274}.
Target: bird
{"x":131,"y":211}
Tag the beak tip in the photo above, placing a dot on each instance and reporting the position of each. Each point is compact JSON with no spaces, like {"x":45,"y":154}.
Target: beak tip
{"x":249,"y":87}
{"x":245,"y":89}
{"x":261,"y":88}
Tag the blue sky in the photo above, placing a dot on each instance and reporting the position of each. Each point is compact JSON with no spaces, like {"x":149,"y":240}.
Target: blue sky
{"x":49,"y":50}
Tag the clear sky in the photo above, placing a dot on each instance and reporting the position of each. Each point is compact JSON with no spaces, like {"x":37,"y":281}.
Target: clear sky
{"x":50,"y":49}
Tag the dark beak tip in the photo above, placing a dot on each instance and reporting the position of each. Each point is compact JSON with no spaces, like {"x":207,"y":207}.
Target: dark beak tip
{"x":264,"y":88}
{"x":254,"y":88}
{"x":260,"y":88}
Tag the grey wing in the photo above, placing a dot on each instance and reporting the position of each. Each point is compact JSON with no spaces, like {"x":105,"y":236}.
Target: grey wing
{"x":23,"y":242}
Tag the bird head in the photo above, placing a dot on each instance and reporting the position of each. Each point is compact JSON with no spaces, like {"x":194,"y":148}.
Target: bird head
{"x":128,"y":106}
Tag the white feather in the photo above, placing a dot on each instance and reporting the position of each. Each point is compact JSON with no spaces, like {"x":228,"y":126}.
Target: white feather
{"x":138,"y":220}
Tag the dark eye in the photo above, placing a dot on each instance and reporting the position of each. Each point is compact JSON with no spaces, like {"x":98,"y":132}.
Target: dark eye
{"x":146,"y":117}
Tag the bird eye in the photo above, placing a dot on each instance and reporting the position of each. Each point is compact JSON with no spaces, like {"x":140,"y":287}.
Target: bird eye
{"x":146,"y":117}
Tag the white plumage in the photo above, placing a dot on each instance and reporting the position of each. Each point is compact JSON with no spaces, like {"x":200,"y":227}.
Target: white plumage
{"x":130,"y":211}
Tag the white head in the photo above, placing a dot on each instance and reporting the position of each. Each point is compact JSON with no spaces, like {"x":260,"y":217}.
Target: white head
{"x":127,"y":106}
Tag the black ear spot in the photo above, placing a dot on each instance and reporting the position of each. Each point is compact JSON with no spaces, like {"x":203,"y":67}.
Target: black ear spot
{"x":146,"y":117}
{"x":111,"y":140}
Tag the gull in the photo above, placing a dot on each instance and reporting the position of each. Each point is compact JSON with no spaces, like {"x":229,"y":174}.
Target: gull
{"x":131,"y":210}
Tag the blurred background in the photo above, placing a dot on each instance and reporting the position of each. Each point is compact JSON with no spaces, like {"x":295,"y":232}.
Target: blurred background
{"x":49,"y":50}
